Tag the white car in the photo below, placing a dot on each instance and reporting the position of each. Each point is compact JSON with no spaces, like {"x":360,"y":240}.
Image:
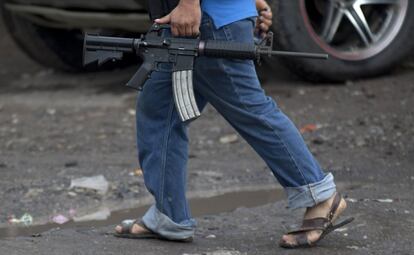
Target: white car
{"x":363,"y":37}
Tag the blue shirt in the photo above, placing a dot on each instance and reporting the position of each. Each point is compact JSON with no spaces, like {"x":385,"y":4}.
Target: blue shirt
{"x":224,"y":12}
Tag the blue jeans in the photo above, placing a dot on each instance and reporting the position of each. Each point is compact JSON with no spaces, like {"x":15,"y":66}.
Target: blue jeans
{"x":232,"y":87}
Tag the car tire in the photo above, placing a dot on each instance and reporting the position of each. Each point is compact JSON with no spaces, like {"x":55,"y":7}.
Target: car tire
{"x":295,"y":32}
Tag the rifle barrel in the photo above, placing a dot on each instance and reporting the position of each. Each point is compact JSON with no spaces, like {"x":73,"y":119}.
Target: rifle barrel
{"x":294,"y":54}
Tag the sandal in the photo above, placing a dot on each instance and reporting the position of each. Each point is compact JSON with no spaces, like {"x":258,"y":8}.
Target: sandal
{"x":324,"y":224}
{"x":148,"y":234}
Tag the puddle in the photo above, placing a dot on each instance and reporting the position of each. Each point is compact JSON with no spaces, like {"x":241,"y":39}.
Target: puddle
{"x":199,"y":206}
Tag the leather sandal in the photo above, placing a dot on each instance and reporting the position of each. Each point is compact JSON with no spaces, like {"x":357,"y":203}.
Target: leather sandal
{"x":324,"y":224}
{"x":148,"y":234}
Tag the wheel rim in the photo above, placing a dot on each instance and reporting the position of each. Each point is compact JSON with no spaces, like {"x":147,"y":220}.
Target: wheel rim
{"x":354,"y":29}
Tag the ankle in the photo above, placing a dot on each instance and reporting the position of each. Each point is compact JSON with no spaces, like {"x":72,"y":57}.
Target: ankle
{"x":322,"y":206}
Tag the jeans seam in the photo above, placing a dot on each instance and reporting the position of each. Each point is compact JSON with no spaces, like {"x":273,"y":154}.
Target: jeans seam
{"x":312,"y":193}
{"x":266,"y":123}
{"x":165,"y":155}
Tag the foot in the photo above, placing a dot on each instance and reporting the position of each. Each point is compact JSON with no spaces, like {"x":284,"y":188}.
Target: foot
{"x":320,"y":210}
{"x":136,"y":229}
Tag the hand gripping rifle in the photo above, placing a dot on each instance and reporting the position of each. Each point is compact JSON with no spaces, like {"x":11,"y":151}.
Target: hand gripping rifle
{"x":155,"y":48}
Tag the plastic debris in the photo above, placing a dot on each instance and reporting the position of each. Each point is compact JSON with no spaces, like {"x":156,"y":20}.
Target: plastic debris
{"x":386,"y":200}
{"x":51,"y":111}
{"x":71,"y":164}
{"x":60,"y":219}
{"x":136,"y":172}
{"x":132,"y":112}
{"x":102,"y":214}
{"x":229,"y":139}
{"x":353,"y":247}
{"x":33,"y":193}
{"x":309,"y":128}
{"x":26,"y":220}
{"x":98,"y":183}
{"x":352,"y":200}
{"x":211,"y":236}
{"x":72,"y":194}
{"x":72,"y":212}
{"x":341,"y":229}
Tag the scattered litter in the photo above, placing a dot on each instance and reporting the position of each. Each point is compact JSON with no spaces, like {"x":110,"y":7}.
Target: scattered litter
{"x":33,"y":193}
{"x":360,"y":142}
{"x":309,"y":128}
{"x":136,"y":172}
{"x":218,"y":252}
{"x":132,"y":112}
{"x":224,"y":252}
{"x":365,"y":237}
{"x":229,"y":139}
{"x":71,"y":164}
{"x":386,"y":200}
{"x":211,"y":236}
{"x":345,"y":234}
{"x":98,"y":183}
{"x":352,"y":200}
{"x":26,"y":219}
{"x":102,"y":214}
{"x":60,"y":219}
{"x":72,"y":212}
{"x":51,"y":111}
{"x":406,"y":212}
{"x":341,"y":229}
{"x":72,"y":194}
{"x":353,"y":247}
{"x":37,"y":235}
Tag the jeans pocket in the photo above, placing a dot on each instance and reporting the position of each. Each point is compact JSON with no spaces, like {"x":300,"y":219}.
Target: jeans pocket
{"x":240,"y":31}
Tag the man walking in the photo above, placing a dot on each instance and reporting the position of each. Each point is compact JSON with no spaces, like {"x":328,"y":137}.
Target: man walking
{"x":232,"y":87}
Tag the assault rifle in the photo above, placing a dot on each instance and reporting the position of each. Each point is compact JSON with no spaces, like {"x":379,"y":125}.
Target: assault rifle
{"x":155,"y":48}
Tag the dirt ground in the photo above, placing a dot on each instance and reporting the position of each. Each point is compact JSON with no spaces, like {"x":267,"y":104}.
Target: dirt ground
{"x":57,"y":127}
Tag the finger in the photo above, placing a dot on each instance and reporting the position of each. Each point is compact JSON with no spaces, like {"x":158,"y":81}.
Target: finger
{"x":164,"y":20}
{"x":181,"y":30}
{"x":197,"y":31}
{"x":174,"y":30}
{"x":263,"y":35}
{"x":264,"y":27}
{"x":267,"y":14}
{"x":194,"y":31}
{"x":188,"y":31}
{"x":268,"y":22}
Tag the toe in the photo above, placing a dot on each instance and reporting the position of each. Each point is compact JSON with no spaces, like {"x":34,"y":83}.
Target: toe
{"x":289,"y":239}
{"x":118,"y":229}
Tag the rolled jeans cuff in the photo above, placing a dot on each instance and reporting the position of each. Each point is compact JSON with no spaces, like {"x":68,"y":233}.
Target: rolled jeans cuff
{"x":161,"y":224}
{"x":311,"y":194}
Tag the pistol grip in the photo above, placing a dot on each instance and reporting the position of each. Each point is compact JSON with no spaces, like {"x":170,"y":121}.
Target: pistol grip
{"x":141,"y":76}
{"x":184,"y":98}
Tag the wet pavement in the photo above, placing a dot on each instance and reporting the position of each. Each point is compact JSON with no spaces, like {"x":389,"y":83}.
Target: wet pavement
{"x":57,"y":127}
